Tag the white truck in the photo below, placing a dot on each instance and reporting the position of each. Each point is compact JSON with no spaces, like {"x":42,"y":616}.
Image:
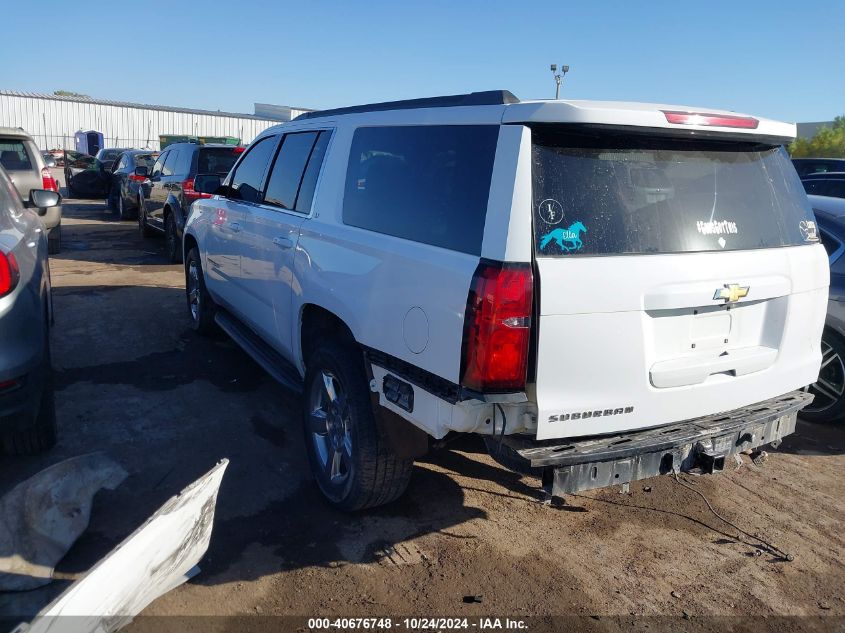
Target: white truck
{"x":606,"y":291}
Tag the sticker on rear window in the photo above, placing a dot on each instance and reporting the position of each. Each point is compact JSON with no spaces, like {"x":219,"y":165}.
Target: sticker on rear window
{"x":568,"y":239}
{"x":551,"y":211}
{"x":717,"y":227}
{"x":808,"y":230}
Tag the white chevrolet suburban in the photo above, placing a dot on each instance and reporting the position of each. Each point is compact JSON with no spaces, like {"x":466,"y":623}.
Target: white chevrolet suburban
{"x":606,"y":291}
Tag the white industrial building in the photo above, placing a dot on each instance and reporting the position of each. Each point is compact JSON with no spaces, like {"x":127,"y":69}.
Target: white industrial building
{"x":53,"y":120}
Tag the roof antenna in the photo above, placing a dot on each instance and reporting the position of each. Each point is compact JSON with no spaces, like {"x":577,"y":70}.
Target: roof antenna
{"x":558,"y":77}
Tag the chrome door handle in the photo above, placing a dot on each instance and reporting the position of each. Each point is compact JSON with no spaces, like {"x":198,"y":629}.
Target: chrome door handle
{"x":234,"y":226}
{"x":283,"y":242}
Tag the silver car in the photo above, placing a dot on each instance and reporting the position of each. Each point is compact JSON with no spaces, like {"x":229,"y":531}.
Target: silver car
{"x":25,"y":165}
{"x":27,"y":407}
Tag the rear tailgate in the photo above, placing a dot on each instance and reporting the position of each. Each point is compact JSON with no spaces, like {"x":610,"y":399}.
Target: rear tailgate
{"x":677,"y":279}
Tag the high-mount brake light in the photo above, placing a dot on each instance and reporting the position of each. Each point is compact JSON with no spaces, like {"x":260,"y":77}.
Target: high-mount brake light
{"x":9,"y":273}
{"x":717,"y":120}
{"x":497,"y":327}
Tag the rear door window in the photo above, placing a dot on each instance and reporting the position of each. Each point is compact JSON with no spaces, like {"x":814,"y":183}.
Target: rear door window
{"x":13,"y":155}
{"x":428,"y":184}
{"x":158,"y":165}
{"x":607,"y":193}
{"x":169,"y":167}
{"x":248,"y":178}
{"x":216,"y":160}
{"x":283,"y":184}
{"x":312,"y":172}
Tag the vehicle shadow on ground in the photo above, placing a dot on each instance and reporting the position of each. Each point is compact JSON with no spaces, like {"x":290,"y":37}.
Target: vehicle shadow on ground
{"x":815,"y":438}
{"x":106,"y":239}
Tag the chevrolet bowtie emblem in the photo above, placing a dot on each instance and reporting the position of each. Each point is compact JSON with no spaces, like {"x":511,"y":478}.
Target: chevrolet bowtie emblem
{"x":731,"y":293}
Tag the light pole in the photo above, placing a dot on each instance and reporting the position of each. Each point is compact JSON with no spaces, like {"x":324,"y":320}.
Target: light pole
{"x":558,"y":77}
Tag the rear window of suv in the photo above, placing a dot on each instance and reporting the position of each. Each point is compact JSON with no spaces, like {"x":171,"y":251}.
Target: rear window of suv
{"x":13,"y":155}
{"x":428,"y":184}
{"x":607,"y":193}
{"x":216,"y":160}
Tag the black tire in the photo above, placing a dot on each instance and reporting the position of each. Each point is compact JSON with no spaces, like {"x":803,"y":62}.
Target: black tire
{"x":42,"y":435}
{"x":110,"y":200}
{"x":121,"y":208}
{"x":201,"y":306}
{"x":368,"y":473}
{"x":143,"y":228}
{"x":829,"y":390}
{"x":54,"y":240}
{"x":171,"y":238}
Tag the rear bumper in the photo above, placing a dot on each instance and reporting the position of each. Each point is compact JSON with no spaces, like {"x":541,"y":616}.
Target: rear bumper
{"x":703,"y":443}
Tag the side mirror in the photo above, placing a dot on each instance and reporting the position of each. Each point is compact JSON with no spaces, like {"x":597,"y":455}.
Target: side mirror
{"x":49,"y":161}
{"x":142,"y":171}
{"x":207,"y":183}
{"x":42,"y":199}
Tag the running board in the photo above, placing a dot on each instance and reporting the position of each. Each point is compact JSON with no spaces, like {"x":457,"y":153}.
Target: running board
{"x":269,"y":359}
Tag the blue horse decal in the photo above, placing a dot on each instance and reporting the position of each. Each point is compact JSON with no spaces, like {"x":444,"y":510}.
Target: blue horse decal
{"x":568,"y":239}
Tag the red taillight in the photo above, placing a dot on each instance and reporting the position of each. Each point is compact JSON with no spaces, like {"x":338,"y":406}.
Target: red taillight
{"x":136,"y":178}
{"x":189,"y":192}
{"x":497,"y":327}
{"x":238,"y":150}
{"x":9,"y":385}
{"x":703,"y":118}
{"x":47,"y":180}
{"x":9,"y":273}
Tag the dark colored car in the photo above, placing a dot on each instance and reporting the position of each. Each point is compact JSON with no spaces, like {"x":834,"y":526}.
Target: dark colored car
{"x":108,"y":156}
{"x":27,"y":406}
{"x":829,"y":390}
{"x":87,"y":177}
{"x":831,"y":184}
{"x":126,"y":186}
{"x":807,"y":166}
{"x":169,"y":191}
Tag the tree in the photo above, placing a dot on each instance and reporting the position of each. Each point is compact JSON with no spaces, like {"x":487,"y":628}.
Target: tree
{"x":68,"y":93}
{"x":829,"y":142}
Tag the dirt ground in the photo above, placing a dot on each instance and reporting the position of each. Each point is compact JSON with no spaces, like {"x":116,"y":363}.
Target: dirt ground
{"x":134,"y":381}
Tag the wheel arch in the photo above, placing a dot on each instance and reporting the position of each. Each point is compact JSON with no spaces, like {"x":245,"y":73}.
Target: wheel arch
{"x":315,"y":320}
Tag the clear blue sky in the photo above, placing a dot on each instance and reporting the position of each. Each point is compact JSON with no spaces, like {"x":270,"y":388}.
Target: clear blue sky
{"x":772,"y":58}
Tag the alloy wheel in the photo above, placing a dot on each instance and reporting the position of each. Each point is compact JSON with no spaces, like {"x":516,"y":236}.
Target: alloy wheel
{"x":830,"y":387}
{"x":194,"y":297}
{"x":330,"y":428}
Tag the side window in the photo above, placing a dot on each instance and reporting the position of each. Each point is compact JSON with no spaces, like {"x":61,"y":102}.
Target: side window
{"x":249,"y":172}
{"x":283,"y":184}
{"x":158,"y":164}
{"x":312,"y":172}
{"x":183,"y":167}
{"x":170,"y":163}
{"x":428,"y":184}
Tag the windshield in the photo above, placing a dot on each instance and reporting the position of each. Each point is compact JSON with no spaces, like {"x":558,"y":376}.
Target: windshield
{"x":216,"y":160}
{"x":602,"y":194}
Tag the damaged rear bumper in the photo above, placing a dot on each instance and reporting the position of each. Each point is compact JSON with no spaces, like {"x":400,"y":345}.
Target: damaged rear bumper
{"x":703,"y":443}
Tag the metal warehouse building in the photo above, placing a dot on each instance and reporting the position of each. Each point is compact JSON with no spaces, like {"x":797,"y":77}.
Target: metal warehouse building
{"x":53,"y":120}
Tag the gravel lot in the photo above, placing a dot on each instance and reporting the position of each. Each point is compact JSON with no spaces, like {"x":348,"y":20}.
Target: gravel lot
{"x":135,"y":382}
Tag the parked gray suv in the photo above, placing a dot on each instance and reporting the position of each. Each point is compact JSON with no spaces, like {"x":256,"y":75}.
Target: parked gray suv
{"x":25,"y":166}
{"x":27,"y":407}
